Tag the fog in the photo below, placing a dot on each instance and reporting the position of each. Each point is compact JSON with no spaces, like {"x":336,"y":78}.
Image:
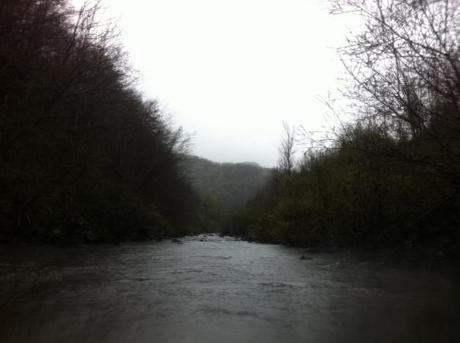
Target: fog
{"x":231,"y":72}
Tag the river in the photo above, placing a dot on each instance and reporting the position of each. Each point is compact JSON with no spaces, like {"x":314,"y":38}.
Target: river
{"x":213,"y":289}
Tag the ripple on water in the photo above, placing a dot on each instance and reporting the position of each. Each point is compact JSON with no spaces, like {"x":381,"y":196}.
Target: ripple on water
{"x":214,"y":289}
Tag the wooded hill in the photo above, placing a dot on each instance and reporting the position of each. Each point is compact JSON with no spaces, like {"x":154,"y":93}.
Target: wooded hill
{"x":223,"y":188}
{"x":83,"y":156}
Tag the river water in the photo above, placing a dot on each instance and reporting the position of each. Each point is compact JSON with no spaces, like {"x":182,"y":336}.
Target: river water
{"x":213,"y":289}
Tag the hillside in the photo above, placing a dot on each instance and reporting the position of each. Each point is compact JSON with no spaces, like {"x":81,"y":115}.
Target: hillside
{"x":224,"y":187}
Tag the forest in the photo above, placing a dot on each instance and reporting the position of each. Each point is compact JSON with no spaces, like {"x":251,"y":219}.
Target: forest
{"x":223,"y":189}
{"x":84,"y":157}
{"x":390,"y":179}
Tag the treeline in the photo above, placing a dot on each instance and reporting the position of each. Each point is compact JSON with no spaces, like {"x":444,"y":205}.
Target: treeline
{"x":83,"y":157}
{"x":391,"y":179}
{"x":349,"y":196}
{"x":223,"y":189}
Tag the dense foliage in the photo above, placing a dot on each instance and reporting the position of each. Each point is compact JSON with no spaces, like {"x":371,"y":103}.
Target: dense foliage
{"x":224,"y":188}
{"x":349,"y":195}
{"x":83,"y":157}
{"x":391,"y":178}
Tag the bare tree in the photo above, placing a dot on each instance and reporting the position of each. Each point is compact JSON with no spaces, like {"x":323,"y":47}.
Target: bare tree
{"x":405,"y":65}
{"x":287,"y":149}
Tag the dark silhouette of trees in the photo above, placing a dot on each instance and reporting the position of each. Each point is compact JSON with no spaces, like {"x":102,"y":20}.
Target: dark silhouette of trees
{"x":85,"y":158}
{"x":391,"y":178}
{"x":82,"y":155}
{"x":406,"y":68}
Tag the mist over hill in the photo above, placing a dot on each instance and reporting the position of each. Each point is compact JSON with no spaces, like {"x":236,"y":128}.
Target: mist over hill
{"x":224,"y":187}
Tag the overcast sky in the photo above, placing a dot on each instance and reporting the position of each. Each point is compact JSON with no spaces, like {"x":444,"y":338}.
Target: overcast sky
{"x":230,"y":72}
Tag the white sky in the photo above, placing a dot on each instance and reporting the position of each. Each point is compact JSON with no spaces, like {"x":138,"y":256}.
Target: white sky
{"x":231,"y":71}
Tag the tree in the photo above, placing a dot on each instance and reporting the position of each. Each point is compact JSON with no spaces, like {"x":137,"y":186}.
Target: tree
{"x":287,"y":149}
{"x":391,"y":178}
{"x":82,"y":154}
{"x":405,"y":65}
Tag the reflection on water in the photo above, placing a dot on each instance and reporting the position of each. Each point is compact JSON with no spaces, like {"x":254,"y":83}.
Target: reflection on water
{"x":212,"y":289}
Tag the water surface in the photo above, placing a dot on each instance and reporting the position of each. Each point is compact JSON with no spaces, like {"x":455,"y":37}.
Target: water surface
{"x":212,"y":289}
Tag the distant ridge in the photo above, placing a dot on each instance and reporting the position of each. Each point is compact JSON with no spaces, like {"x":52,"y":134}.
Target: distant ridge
{"x":225,"y":187}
